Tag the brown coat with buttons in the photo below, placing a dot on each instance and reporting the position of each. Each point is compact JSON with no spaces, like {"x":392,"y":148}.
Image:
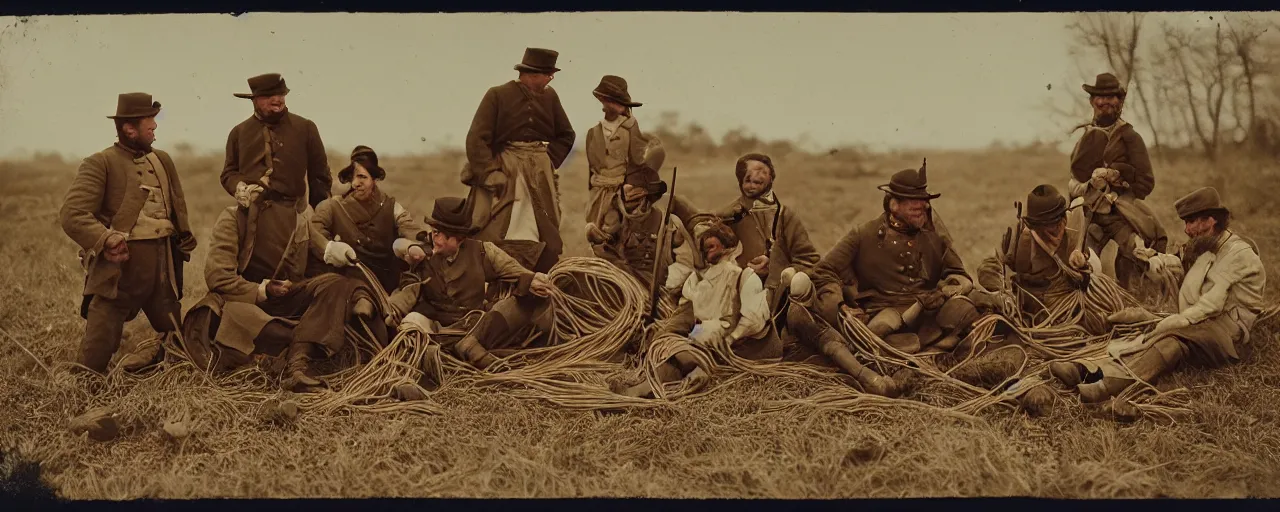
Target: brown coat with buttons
{"x":512,"y":113}
{"x":882,"y":264}
{"x":106,"y":194}
{"x":300,"y":165}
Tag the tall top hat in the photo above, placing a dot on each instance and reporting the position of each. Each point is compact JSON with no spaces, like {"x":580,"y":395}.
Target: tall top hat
{"x":538,"y":60}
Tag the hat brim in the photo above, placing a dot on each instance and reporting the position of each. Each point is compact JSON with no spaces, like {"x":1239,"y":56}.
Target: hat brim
{"x":904,"y":195}
{"x":617,"y":100}
{"x":249,"y":95}
{"x":151,"y":112}
{"x":531,"y":69}
{"x":452,"y":228}
{"x":1096,"y":91}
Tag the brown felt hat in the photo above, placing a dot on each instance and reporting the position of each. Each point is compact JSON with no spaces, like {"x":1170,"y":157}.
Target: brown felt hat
{"x":614,"y":88}
{"x":451,"y":214}
{"x":909,"y":184}
{"x":1045,"y":206}
{"x":270,"y":84}
{"x":649,"y":180}
{"x":1201,"y":202}
{"x":367,"y":158}
{"x":1105,"y":84}
{"x":538,"y":60}
{"x":135,"y":105}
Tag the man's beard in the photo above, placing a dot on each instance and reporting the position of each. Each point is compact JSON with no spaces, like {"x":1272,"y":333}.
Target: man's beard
{"x":273,"y":118}
{"x":136,"y":144}
{"x":1104,"y":119}
{"x":914,"y":224}
{"x":1197,"y":246}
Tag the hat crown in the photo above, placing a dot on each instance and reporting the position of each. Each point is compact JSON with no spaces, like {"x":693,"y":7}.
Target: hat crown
{"x":1045,"y":204}
{"x":540,"y":58}
{"x":270,"y":84}
{"x":450,"y":213}
{"x":365,"y":151}
{"x":1200,"y":201}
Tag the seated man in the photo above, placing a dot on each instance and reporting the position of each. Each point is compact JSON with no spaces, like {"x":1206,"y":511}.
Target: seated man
{"x":632,"y":237}
{"x":1222,"y":282}
{"x":1043,"y":260}
{"x":897,"y":273}
{"x":366,"y":225}
{"x":721,"y":306}
{"x":452,"y":281}
{"x":249,"y":311}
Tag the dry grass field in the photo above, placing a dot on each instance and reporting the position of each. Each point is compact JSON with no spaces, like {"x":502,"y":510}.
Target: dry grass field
{"x":717,"y":445}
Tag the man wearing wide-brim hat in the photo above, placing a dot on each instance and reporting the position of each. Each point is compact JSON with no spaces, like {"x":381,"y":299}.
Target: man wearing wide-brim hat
{"x":518,"y":138}
{"x":275,"y":168}
{"x":1042,"y":260}
{"x":127,"y":211}
{"x":615,"y":148}
{"x":450,"y":284}
{"x":898,"y":274}
{"x":1110,"y":176}
{"x":1221,"y":295}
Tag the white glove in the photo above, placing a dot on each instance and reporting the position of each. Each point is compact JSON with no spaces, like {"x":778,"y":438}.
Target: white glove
{"x":339,"y":254}
{"x":1105,"y":173}
{"x":247,"y":193}
{"x":1160,"y":261}
{"x":415,"y":320}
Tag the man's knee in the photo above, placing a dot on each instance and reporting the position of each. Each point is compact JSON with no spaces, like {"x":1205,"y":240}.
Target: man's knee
{"x":957,"y":313}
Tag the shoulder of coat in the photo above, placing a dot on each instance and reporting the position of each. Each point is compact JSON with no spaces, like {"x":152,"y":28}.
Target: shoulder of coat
{"x":629,"y":123}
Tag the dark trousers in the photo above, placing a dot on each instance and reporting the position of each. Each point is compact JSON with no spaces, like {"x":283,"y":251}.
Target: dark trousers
{"x":144,"y":285}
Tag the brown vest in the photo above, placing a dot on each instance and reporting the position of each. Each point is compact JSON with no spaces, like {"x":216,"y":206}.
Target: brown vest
{"x":454,"y":290}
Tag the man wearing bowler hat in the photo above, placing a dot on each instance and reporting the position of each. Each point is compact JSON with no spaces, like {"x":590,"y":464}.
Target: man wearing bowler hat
{"x":898,"y":274}
{"x":1110,"y":176}
{"x":126,"y":210}
{"x":518,"y":138}
{"x":1221,"y":295}
{"x":275,"y":167}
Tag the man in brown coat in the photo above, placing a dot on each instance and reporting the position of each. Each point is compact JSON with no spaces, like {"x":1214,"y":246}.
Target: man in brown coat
{"x":126,"y":210}
{"x":1222,"y":286}
{"x":449,"y":288}
{"x":897,"y":272}
{"x":251,"y":311}
{"x":773,"y":237}
{"x":1110,"y":176}
{"x":275,"y":167}
{"x":518,"y":138}
{"x":1041,"y":257}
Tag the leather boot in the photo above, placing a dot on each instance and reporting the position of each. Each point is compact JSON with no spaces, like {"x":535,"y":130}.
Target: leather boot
{"x":470,"y":350}
{"x":885,"y":322}
{"x":908,"y":342}
{"x":299,"y":363}
{"x":145,"y":354}
{"x":1070,"y":374}
{"x":871,"y":381}
{"x":1037,"y":401}
{"x":363,"y":309}
{"x":1102,"y":390}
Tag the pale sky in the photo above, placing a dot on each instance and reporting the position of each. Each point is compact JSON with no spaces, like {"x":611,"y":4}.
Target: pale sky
{"x":410,"y":82}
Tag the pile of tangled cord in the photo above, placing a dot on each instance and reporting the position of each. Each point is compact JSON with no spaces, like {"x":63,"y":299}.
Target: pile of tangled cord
{"x":602,"y":323}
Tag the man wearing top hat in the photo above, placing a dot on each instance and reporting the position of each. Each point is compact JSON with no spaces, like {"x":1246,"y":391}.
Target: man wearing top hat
{"x":275,"y":167}
{"x":898,"y":274}
{"x":1221,"y":295}
{"x":126,"y":210}
{"x":1110,"y":176}
{"x":368,"y":226}
{"x":616,"y":148}
{"x":449,"y":286}
{"x":1042,"y":258}
{"x":518,"y":138}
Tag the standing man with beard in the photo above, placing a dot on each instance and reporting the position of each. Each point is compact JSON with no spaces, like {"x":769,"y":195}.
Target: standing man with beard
{"x":1110,"y":176}
{"x":273,"y":158}
{"x":772,"y":236}
{"x":126,"y":210}
{"x":1221,"y":295}
{"x":518,"y":138}
{"x":896,"y":272}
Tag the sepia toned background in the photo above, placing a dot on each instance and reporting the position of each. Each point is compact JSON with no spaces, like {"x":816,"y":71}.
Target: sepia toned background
{"x":840,"y":102}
